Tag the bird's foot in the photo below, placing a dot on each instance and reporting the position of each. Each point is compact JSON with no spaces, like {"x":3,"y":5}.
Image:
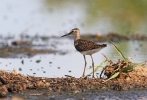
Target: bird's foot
{"x":93,"y":76}
{"x":83,"y":76}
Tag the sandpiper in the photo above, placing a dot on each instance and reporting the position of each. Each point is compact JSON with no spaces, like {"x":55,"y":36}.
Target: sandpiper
{"x":85,"y":47}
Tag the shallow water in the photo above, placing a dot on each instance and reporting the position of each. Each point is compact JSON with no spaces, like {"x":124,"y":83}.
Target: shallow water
{"x":72,"y":62}
{"x":89,"y":95}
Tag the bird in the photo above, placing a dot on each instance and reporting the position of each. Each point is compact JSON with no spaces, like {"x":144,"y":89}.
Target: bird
{"x":85,"y":47}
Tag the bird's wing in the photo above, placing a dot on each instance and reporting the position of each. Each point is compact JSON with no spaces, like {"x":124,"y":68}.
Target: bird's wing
{"x":84,"y":45}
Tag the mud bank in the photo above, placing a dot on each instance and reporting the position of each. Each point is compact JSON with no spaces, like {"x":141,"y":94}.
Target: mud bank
{"x":15,"y":82}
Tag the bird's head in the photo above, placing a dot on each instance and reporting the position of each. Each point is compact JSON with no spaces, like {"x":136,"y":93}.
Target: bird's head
{"x":74,"y":31}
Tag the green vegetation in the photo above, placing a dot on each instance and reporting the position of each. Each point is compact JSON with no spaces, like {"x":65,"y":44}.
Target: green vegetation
{"x":124,"y":16}
{"x":127,"y":67}
{"x":38,"y":61}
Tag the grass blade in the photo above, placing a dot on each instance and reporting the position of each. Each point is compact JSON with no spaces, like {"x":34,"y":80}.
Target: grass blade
{"x":108,"y":59}
{"x":131,"y":67}
{"x":120,"y":53}
{"x":98,"y":67}
{"x":113,"y":76}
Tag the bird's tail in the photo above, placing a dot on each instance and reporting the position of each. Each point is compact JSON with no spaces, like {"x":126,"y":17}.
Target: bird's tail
{"x":104,"y":45}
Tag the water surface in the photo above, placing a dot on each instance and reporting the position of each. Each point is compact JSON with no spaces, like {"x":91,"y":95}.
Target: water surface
{"x":72,"y":62}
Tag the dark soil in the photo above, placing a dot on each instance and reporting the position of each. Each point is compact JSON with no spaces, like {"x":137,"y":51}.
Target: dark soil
{"x":14,"y":82}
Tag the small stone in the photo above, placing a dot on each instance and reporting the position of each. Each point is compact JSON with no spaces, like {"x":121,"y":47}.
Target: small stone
{"x":15,"y":72}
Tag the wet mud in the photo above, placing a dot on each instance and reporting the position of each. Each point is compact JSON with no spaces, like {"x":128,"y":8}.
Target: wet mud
{"x":16,"y":51}
{"x":14,"y":82}
{"x":114,"y":37}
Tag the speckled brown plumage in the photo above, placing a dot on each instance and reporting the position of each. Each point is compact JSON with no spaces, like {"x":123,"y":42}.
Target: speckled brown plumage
{"x":84,"y":45}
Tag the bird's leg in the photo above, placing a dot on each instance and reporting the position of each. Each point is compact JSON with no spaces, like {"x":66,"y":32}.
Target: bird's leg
{"x":92,"y":66}
{"x":84,"y":66}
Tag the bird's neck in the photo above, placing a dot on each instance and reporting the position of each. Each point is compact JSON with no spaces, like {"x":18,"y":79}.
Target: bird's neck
{"x":77,"y":36}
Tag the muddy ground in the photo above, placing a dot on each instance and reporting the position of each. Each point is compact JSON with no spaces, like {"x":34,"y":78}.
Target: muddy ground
{"x":16,"y":84}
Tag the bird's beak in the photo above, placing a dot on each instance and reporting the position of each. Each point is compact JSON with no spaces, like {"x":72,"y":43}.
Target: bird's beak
{"x":67,"y":34}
